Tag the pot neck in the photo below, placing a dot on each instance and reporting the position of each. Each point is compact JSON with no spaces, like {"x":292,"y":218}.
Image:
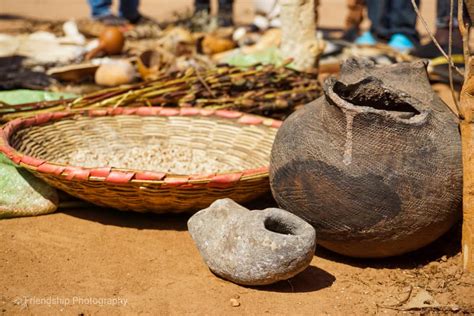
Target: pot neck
{"x":370,"y":95}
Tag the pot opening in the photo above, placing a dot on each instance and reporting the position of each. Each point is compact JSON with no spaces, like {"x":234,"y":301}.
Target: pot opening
{"x":276,"y":225}
{"x":370,"y":92}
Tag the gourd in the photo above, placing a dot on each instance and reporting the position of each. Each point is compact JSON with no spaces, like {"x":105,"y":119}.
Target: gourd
{"x":111,"y":42}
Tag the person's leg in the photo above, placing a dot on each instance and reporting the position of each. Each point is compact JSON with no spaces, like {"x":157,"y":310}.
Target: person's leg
{"x":376,"y":10}
{"x":225,"y":13}
{"x":226,"y":5}
{"x":101,"y":12}
{"x":202,"y":5}
{"x":129,"y":10}
{"x":402,"y":22}
{"x":443,"y":8}
{"x":100,"y":8}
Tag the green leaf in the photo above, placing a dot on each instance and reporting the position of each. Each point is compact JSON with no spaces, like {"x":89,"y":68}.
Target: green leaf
{"x":20,"y":96}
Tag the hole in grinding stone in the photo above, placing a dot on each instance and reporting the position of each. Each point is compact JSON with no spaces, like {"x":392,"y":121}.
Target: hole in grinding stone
{"x":276,"y":225}
{"x":371,"y":93}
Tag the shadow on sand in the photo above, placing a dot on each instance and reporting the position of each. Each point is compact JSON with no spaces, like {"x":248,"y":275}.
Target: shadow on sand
{"x":169,"y":221}
{"x":130,"y":219}
{"x":310,"y":280}
{"x":448,"y":245}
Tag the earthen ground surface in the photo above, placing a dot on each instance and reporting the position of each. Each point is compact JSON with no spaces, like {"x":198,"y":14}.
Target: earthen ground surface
{"x":72,"y":261}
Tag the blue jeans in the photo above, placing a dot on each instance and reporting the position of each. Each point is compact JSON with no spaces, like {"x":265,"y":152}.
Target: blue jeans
{"x":128,"y":9}
{"x":389,"y":17}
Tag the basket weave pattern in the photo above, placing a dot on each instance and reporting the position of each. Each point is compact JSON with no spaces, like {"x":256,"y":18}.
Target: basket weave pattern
{"x":238,"y":141}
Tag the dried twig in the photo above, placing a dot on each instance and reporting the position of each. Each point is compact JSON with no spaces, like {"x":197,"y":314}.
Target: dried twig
{"x":465,"y":36}
{"x":402,"y":302}
{"x":204,"y":83}
{"x":444,"y":308}
{"x":291,"y":285}
{"x":435,"y":41}
{"x":268,"y":90}
{"x":450,"y":68}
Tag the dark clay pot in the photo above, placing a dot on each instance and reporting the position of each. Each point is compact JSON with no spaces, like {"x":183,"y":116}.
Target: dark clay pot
{"x":374,"y":164}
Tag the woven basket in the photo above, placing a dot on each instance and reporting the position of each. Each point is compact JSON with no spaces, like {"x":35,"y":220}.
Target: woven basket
{"x":80,"y":153}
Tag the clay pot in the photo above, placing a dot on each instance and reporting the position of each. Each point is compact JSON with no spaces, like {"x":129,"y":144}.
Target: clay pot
{"x":374,"y":164}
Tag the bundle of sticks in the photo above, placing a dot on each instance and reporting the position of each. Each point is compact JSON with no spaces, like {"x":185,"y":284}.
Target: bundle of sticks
{"x":273,"y":91}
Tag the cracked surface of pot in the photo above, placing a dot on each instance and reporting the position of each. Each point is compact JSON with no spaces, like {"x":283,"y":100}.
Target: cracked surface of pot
{"x":374,"y":164}
{"x":255,"y":247}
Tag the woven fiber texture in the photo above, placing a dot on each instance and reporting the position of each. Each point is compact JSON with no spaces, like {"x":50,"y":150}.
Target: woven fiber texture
{"x":22,"y":194}
{"x":146,"y":159}
{"x":374,"y":165}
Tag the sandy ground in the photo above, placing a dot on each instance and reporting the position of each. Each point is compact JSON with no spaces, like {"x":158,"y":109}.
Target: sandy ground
{"x":69,"y":261}
{"x":96,"y":261}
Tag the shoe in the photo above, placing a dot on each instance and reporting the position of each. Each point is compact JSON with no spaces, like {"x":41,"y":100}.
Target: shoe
{"x":141,"y":19}
{"x":440,"y":71}
{"x":111,"y":19}
{"x":366,"y":39}
{"x":400,"y":43}
{"x":225,"y":19}
{"x":350,"y":35}
{"x":331,"y":49}
{"x":431,"y":51}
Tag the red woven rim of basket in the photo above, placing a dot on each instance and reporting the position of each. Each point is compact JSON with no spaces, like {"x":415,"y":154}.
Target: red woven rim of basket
{"x":122,"y":176}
